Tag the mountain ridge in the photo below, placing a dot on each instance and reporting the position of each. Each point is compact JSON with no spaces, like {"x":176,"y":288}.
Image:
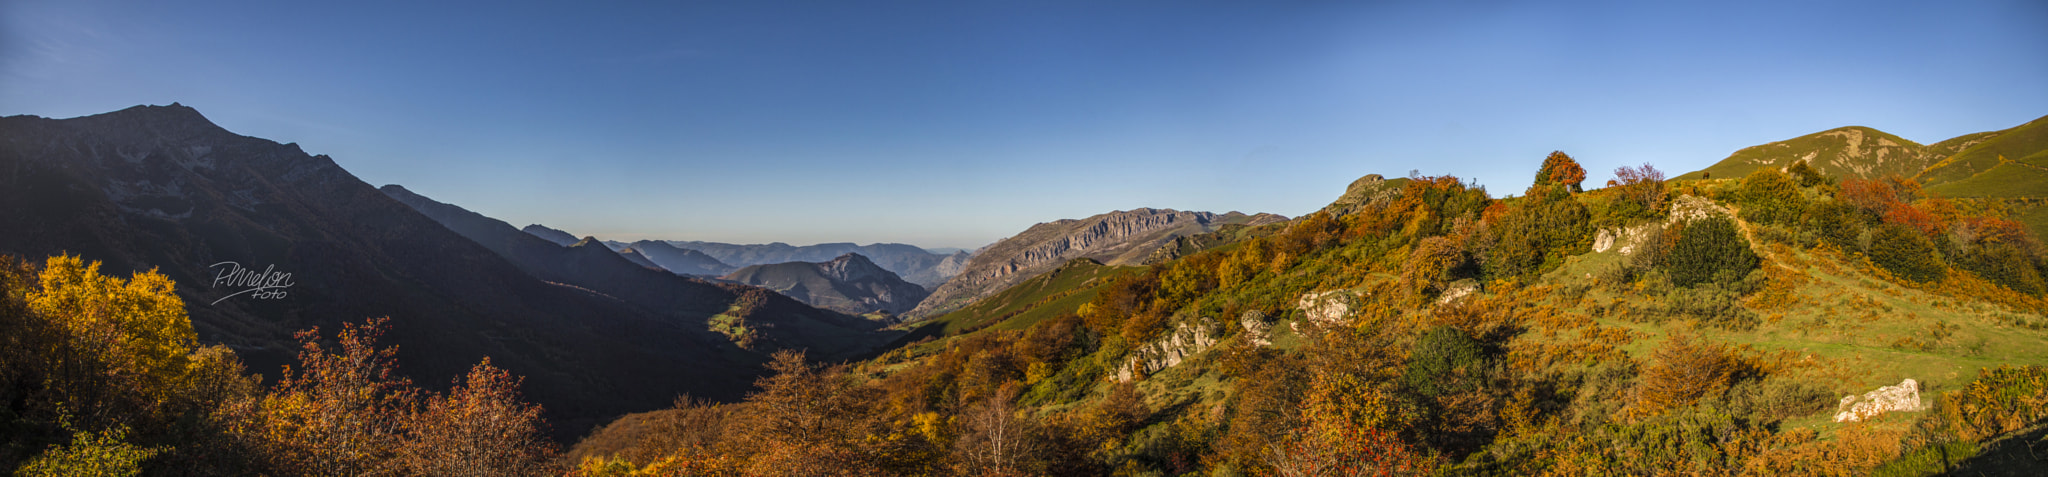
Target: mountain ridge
{"x":161,"y":187}
{"x":849,"y":283}
{"x":1115,"y":238}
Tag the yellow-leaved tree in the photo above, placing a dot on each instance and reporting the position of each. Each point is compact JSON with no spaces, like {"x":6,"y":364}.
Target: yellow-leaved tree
{"x":137,"y":326}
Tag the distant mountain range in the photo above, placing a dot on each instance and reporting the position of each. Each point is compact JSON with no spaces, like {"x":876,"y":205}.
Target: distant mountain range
{"x":849,"y":283}
{"x":1115,"y":238}
{"x":712,"y":259}
{"x":681,"y":260}
{"x":591,"y":265}
{"x":162,"y":187}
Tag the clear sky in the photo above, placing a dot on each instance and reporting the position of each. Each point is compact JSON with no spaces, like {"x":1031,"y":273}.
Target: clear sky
{"x":956,"y":123}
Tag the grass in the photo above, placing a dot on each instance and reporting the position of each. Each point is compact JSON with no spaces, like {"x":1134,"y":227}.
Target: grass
{"x":1824,"y":147}
{"x":2007,"y":179}
{"x":1844,"y":325}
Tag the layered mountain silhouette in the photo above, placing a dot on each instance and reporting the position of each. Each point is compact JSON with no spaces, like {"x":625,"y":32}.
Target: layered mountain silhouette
{"x":162,"y":187}
{"x":559,"y":237}
{"x":1115,"y":238}
{"x":681,"y":260}
{"x":711,"y":259}
{"x":914,"y":264}
{"x":849,"y":283}
{"x":589,"y":264}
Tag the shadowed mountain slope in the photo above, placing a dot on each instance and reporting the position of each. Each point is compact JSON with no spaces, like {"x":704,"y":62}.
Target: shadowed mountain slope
{"x":162,"y":187}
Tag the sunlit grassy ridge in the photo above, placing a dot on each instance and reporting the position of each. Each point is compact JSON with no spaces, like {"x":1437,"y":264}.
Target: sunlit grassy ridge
{"x":1432,"y":329}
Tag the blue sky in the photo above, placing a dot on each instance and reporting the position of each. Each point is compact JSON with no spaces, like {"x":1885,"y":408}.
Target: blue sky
{"x":957,"y":123}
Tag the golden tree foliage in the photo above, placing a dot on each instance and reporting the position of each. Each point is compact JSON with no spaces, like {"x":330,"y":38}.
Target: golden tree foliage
{"x":479,"y":428}
{"x":105,"y":453}
{"x":137,"y":326}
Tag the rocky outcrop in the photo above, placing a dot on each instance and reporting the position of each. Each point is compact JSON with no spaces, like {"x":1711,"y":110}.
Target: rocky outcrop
{"x":1458,"y":290}
{"x":1116,"y":238}
{"x":1625,"y":240}
{"x":1185,"y":341}
{"x":1690,"y":208}
{"x":1257,"y":330}
{"x":1327,"y":307}
{"x":1905,"y":397}
{"x":1366,"y":190}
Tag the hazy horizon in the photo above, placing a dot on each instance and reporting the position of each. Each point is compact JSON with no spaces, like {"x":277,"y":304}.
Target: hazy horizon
{"x":948,"y":125}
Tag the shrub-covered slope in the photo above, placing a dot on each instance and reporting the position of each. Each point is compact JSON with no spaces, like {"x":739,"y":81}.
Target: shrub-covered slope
{"x":1704,"y":327}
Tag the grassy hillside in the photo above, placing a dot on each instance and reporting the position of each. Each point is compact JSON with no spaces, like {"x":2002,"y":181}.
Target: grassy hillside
{"x":2012,"y":163}
{"x":1437,"y":330}
{"x":1853,"y":151}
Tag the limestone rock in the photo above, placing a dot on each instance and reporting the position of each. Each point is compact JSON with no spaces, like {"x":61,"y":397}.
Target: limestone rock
{"x":1905,"y":397}
{"x":1256,"y":330}
{"x":1327,"y":307}
{"x":1690,"y":208}
{"x":1623,"y":240}
{"x":1457,"y":290}
{"x":1183,"y":342}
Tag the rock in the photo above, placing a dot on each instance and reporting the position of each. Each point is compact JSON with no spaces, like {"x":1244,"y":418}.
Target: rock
{"x":1690,"y":208}
{"x":1328,"y":307}
{"x":1458,"y":289}
{"x":1256,"y":329}
{"x":1183,"y":342}
{"x":1623,"y":240}
{"x":1904,"y":397}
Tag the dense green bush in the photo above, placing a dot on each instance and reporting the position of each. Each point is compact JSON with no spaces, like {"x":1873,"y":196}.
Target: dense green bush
{"x":1905,"y":253}
{"x":1807,"y":176}
{"x":1770,"y":197}
{"x":1709,"y":250}
{"x":2007,"y":265}
{"x":1836,"y":223}
{"x":1536,"y":236}
{"x":1443,"y":361}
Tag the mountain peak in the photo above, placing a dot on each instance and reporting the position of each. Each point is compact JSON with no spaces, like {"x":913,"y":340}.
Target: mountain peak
{"x":1848,"y":151}
{"x":172,"y":118}
{"x":853,"y":266}
{"x":589,"y":240}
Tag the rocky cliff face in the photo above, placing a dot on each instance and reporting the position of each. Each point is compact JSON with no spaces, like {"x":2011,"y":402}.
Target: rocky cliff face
{"x":1116,"y":238}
